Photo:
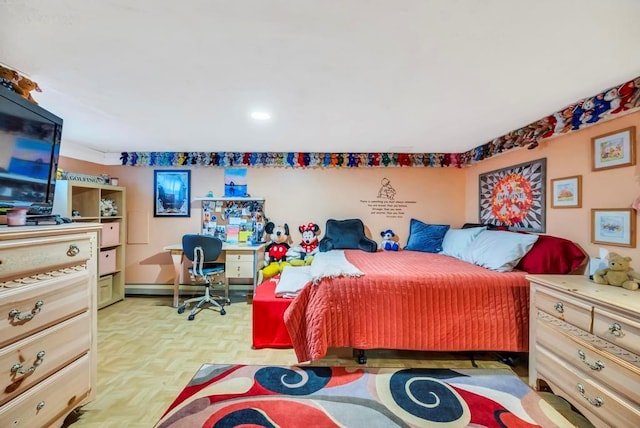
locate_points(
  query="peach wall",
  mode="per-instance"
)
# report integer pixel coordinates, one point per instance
(293, 196)
(437, 195)
(567, 156)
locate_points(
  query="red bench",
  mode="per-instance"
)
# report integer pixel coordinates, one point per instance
(269, 330)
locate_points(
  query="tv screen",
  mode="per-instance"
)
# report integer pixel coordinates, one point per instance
(29, 149)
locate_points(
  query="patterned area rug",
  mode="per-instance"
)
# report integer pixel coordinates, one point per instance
(308, 396)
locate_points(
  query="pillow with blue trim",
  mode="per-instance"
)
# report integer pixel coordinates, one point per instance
(426, 237)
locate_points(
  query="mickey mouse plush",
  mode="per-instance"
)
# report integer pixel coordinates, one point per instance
(275, 253)
(389, 241)
(304, 252)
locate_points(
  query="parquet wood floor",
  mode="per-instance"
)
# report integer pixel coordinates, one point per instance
(147, 353)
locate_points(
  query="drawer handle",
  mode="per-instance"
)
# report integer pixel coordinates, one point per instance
(598, 365)
(18, 368)
(598, 402)
(559, 307)
(73, 250)
(616, 329)
(17, 316)
(40, 406)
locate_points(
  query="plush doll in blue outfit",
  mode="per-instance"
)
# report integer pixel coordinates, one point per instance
(389, 241)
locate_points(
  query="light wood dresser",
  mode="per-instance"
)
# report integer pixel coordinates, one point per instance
(48, 359)
(585, 345)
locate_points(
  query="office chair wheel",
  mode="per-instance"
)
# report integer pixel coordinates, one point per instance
(228, 301)
(192, 317)
(181, 309)
(223, 312)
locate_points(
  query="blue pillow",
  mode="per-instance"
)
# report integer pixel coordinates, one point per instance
(426, 237)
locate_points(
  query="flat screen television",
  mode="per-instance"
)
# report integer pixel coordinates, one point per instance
(29, 149)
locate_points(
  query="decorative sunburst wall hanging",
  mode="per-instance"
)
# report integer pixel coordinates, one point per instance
(515, 196)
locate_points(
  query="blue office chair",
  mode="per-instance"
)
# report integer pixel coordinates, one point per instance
(203, 251)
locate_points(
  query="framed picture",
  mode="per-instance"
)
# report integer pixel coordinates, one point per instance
(515, 196)
(614, 150)
(173, 193)
(566, 192)
(614, 226)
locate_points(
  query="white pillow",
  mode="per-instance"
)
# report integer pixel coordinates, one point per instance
(456, 241)
(499, 250)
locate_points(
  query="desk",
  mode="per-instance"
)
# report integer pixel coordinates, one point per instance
(241, 261)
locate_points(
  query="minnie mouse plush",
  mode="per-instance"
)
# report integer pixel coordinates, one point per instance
(304, 252)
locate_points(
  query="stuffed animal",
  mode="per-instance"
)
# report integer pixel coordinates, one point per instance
(275, 253)
(618, 273)
(389, 241)
(20, 84)
(303, 253)
(8, 77)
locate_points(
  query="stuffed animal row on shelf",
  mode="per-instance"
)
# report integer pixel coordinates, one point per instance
(17, 83)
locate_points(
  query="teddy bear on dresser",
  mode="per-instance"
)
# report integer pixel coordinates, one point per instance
(618, 273)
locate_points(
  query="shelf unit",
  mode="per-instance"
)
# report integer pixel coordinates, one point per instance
(83, 199)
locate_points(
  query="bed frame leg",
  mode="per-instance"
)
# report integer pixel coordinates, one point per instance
(360, 356)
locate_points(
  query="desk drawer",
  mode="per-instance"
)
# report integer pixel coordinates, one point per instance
(239, 269)
(29, 256)
(613, 328)
(58, 345)
(61, 298)
(239, 256)
(46, 402)
(562, 307)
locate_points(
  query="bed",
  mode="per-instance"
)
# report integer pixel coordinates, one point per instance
(449, 290)
(411, 300)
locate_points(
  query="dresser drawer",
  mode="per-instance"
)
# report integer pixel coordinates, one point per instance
(41, 305)
(621, 376)
(57, 346)
(239, 256)
(613, 328)
(239, 270)
(565, 308)
(23, 258)
(613, 409)
(46, 402)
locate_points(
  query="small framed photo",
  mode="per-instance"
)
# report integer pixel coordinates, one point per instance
(614, 150)
(614, 226)
(172, 193)
(566, 192)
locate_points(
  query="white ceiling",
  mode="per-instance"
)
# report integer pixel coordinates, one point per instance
(337, 76)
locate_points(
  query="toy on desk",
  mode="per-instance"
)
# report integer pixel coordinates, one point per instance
(302, 254)
(389, 241)
(275, 253)
(618, 273)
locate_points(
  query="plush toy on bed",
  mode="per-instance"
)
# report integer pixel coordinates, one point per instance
(277, 250)
(618, 273)
(389, 241)
(302, 254)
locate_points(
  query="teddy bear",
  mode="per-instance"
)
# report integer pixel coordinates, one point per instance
(618, 273)
(303, 253)
(8, 77)
(24, 86)
(389, 241)
(277, 250)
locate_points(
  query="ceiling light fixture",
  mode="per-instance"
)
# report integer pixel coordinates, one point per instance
(260, 115)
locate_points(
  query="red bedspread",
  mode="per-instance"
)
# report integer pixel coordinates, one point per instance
(411, 300)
